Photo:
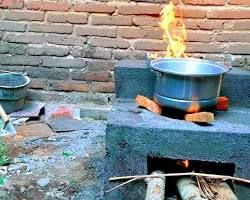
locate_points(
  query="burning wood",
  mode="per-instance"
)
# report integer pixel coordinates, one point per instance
(156, 187)
(204, 117)
(222, 103)
(148, 104)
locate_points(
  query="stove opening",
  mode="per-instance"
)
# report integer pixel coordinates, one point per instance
(168, 165)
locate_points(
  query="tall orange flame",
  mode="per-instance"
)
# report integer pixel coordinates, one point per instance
(174, 33)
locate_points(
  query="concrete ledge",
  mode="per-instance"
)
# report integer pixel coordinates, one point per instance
(131, 138)
(133, 77)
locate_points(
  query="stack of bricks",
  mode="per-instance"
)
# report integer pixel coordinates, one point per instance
(70, 48)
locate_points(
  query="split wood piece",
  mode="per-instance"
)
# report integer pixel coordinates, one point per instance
(148, 104)
(224, 192)
(156, 187)
(188, 189)
(207, 187)
(204, 117)
(222, 103)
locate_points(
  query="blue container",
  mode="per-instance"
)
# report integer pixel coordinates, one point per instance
(13, 89)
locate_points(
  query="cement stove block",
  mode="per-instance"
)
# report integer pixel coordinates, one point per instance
(131, 138)
(133, 77)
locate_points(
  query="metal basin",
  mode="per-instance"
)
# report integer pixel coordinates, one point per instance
(181, 83)
(13, 89)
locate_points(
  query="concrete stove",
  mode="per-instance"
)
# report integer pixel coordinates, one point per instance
(133, 134)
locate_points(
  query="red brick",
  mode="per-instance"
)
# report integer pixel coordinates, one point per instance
(227, 13)
(50, 28)
(47, 5)
(104, 19)
(145, 21)
(94, 65)
(104, 87)
(12, 4)
(222, 103)
(96, 31)
(24, 15)
(205, 2)
(109, 42)
(139, 9)
(239, 2)
(199, 36)
(200, 117)
(101, 76)
(73, 18)
(198, 47)
(150, 105)
(233, 36)
(130, 32)
(237, 25)
(37, 83)
(147, 44)
(238, 48)
(190, 12)
(135, 32)
(215, 57)
(94, 8)
(80, 86)
(203, 24)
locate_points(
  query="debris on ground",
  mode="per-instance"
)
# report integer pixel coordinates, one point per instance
(67, 124)
(52, 156)
(61, 111)
(30, 109)
(48, 165)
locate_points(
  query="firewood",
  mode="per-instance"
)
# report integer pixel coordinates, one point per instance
(224, 192)
(156, 187)
(207, 187)
(188, 189)
(205, 117)
(148, 104)
(222, 103)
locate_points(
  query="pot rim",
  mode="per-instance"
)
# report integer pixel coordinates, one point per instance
(154, 66)
(27, 79)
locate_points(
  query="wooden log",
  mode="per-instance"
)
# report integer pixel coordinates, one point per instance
(204, 117)
(188, 189)
(156, 187)
(148, 104)
(224, 192)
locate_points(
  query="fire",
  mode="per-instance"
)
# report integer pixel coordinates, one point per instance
(183, 163)
(195, 106)
(174, 33)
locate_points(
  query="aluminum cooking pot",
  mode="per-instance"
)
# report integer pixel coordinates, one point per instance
(184, 82)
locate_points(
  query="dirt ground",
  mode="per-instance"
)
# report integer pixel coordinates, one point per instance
(48, 166)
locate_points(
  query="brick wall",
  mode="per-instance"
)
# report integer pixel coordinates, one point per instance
(69, 49)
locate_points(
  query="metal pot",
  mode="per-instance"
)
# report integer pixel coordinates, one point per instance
(13, 89)
(183, 82)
